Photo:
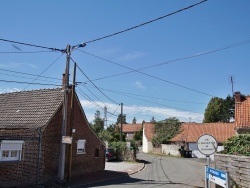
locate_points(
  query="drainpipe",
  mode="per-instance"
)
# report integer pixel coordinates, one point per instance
(39, 154)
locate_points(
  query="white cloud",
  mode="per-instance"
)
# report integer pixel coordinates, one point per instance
(139, 85)
(140, 112)
(131, 56)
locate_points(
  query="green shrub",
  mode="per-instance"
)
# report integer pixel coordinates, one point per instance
(238, 145)
(119, 148)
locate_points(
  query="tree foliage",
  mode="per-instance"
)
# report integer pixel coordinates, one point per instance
(123, 119)
(165, 130)
(98, 123)
(238, 145)
(138, 135)
(219, 110)
(134, 121)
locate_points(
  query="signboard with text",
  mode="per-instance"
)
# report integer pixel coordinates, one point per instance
(207, 144)
(217, 176)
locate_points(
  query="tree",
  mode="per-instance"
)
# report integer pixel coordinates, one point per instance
(98, 123)
(123, 119)
(165, 130)
(138, 135)
(134, 121)
(219, 110)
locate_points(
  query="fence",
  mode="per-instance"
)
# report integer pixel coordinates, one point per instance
(237, 166)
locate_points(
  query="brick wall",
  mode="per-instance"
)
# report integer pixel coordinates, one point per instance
(242, 112)
(25, 172)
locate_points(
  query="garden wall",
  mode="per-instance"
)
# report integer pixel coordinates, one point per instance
(237, 166)
(171, 149)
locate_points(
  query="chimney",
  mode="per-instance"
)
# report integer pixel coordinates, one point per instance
(237, 97)
(64, 81)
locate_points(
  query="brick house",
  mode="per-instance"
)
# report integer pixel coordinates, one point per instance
(147, 136)
(30, 138)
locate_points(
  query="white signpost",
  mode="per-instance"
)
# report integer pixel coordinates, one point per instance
(207, 144)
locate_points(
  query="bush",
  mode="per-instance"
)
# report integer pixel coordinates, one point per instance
(119, 148)
(238, 145)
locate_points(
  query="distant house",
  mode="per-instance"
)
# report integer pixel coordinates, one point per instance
(147, 136)
(130, 130)
(30, 138)
(192, 131)
(242, 113)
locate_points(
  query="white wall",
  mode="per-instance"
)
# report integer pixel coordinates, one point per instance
(147, 145)
(171, 149)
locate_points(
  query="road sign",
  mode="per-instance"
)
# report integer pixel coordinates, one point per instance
(207, 144)
(217, 176)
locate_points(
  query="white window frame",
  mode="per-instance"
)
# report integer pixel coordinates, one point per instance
(11, 150)
(80, 149)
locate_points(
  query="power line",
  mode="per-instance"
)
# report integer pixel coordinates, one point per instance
(33, 45)
(22, 77)
(119, 92)
(25, 52)
(82, 93)
(29, 74)
(145, 23)
(157, 78)
(171, 61)
(94, 84)
(33, 83)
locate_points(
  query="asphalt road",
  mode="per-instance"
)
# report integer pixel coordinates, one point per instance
(162, 171)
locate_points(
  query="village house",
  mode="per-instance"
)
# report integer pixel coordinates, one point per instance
(190, 132)
(147, 136)
(129, 130)
(31, 136)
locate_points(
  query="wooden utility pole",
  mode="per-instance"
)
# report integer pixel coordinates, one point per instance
(61, 167)
(71, 122)
(121, 121)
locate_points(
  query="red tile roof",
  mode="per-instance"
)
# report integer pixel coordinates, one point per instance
(192, 131)
(130, 128)
(242, 112)
(149, 130)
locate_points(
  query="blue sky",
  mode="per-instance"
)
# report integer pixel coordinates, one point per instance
(175, 77)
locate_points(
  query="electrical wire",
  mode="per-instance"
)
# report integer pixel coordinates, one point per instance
(29, 83)
(1, 52)
(88, 98)
(157, 78)
(158, 98)
(22, 77)
(145, 23)
(33, 45)
(29, 74)
(93, 83)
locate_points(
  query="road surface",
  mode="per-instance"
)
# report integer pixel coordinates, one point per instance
(162, 171)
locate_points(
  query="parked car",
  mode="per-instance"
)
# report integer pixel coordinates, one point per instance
(110, 154)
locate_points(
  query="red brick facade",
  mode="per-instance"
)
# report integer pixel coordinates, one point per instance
(242, 111)
(40, 164)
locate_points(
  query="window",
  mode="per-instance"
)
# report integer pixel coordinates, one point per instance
(96, 152)
(81, 146)
(11, 150)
